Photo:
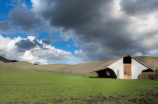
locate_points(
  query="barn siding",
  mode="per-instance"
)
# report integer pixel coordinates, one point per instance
(118, 65)
(137, 68)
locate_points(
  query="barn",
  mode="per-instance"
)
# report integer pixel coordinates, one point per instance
(125, 67)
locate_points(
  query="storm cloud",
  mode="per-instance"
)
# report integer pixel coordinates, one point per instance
(104, 29)
(7, 27)
(26, 20)
(46, 41)
(139, 7)
(24, 45)
(72, 13)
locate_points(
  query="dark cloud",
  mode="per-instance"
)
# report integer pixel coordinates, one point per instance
(37, 43)
(27, 21)
(99, 34)
(72, 13)
(92, 29)
(46, 41)
(137, 7)
(27, 44)
(24, 45)
(100, 27)
(7, 27)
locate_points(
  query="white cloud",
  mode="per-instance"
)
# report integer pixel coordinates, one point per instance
(4, 42)
(38, 5)
(40, 55)
(150, 42)
(82, 56)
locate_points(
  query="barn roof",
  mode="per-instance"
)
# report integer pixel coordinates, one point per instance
(105, 65)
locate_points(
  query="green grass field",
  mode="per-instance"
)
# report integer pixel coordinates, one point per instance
(39, 87)
(24, 83)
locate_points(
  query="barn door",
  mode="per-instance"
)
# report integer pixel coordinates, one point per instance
(118, 74)
(127, 71)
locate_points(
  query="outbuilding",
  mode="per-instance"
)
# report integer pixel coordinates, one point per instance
(125, 67)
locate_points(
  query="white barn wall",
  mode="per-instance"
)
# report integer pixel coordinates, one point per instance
(118, 65)
(137, 68)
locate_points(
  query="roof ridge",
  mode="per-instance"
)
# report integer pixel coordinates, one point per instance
(105, 65)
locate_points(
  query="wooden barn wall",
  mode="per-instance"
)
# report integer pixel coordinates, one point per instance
(137, 68)
(118, 65)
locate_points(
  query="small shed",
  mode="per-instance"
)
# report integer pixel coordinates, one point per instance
(125, 67)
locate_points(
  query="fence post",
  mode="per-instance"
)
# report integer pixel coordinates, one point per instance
(70, 73)
(62, 71)
(148, 76)
(156, 73)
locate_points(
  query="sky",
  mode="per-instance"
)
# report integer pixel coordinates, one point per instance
(77, 31)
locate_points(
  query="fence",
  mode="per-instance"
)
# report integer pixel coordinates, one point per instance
(70, 73)
(152, 77)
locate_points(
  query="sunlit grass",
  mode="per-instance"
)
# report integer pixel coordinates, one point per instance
(34, 86)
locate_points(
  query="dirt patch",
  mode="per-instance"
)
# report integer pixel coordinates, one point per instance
(155, 88)
(37, 103)
(147, 97)
(141, 101)
(60, 100)
(13, 102)
(101, 98)
(74, 98)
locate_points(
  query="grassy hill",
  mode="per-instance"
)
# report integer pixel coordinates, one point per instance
(23, 65)
(51, 67)
(152, 62)
(4, 60)
(83, 68)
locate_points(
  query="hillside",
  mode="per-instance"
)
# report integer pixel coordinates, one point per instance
(51, 67)
(152, 62)
(4, 60)
(23, 65)
(83, 68)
